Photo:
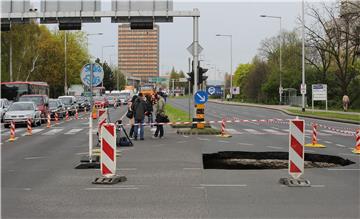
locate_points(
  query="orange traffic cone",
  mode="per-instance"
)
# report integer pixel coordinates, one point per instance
(94, 113)
(222, 130)
(76, 114)
(357, 145)
(56, 118)
(48, 121)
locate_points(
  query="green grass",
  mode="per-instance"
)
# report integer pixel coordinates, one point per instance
(175, 114)
(327, 114)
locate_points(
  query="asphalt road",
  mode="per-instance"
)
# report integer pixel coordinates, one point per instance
(166, 177)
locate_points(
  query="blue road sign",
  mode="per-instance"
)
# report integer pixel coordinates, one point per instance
(200, 97)
(214, 90)
(98, 74)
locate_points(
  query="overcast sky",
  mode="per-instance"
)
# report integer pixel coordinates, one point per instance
(238, 18)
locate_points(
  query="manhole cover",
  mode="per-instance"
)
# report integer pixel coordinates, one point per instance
(267, 160)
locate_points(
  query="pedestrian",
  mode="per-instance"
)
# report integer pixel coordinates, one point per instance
(131, 120)
(346, 102)
(149, 110)
(160, 114)
(228, 97)
(139, 116)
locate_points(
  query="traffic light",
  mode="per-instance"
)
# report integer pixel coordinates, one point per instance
(201, 77)
(191, 75)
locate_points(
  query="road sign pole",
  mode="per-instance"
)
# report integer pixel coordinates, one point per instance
(90, 116)
(195, 56)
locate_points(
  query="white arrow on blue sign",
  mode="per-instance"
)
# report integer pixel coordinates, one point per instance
(98, 75)
(200, 97)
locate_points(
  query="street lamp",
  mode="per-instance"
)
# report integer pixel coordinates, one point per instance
(102, 57)
(280, 58)
(231, 72)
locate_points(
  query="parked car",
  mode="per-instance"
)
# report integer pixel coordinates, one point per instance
(124, 97)
(113, 100)
(82, 103)
(69, 103)
(56, 106)
(4, 105)
(19, 112)
(41, 101)
(101, 101)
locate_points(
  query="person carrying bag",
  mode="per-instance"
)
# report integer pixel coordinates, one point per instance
(160, 116)
(130, 115)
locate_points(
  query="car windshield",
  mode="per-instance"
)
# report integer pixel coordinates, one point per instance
(124, 95)
(21, 106)
(53, 104)
(66, 100)
(36, 99)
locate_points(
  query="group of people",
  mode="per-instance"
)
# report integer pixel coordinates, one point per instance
(141, 107)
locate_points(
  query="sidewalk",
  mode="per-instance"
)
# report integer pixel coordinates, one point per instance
(286, 108)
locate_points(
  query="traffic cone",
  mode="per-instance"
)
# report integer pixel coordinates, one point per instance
(29, 128)
(12, 131)
(76, 114)
(357, 145)
(222, 130)
(56, 118)
(94, 113)
(314, 143)
(48, 121)
(67, 116)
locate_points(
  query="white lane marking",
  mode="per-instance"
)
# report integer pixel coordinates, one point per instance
(52, 132)
(185, 136)
(73, 131)
(254, 132)
(275, 132)
(220, 141)
(344, 169)
(223, 185)
(82, 153)
(317, 186)
(233, 132)
(340, 145)
(181, 142)
(312, 151)
(203, 139)
(192, 168)
(245, 144)
(351, 148)
(33, 158)
(274, 147)
(328, 142)
(34, 131)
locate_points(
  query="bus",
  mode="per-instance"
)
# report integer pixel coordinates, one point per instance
(13, 90)
(147, 89)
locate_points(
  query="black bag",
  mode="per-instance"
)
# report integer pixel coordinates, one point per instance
(123, 142)
(162, 118)
(130, 114)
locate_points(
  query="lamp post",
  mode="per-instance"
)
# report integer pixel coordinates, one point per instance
(280, 58)
(102, 58)
(303, 85)
(65, 70)
(231, 71)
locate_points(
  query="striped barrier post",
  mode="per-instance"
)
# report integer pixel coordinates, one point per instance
(223, 134)
(314, 143)
(357, 142)
(29, 128)
(108, 156)
(56, 118)
(115, 105)
(12, 131)
(67, 115)
(76, 114)
(48, 121)
(101, 120)
(296, 155)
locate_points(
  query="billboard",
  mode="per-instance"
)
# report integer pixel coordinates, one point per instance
(319, 92)
(141, 6)
(214, 90)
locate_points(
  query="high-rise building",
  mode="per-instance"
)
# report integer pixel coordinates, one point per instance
(138, 52)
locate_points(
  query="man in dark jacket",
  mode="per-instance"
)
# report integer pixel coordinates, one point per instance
(139, 115)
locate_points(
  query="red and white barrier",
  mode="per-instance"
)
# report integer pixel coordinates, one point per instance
(296, 147)
(314, 143)
(29, 128)
(67, 116)
(101, 120)
(12, 131)
(76, 114)
(357, 144)
(48, 121)
(222, 127)
(108, 150)
(56, 118)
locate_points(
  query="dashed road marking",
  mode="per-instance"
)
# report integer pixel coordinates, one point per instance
(274, 147)
(34, 131)
(32, 158)
(328, 142)
(247, 144)
(221, 141)
(73, 131)
(275, 132)
(340, 145)
(52, 132)
(253, 131)
(181, 142)
(203, 139)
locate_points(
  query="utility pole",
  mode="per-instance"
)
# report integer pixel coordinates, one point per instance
(65, 75)
(173, 83)
(195, 55)
(10, 58)
(303, 57)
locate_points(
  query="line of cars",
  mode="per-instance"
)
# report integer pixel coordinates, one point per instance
(37, 107)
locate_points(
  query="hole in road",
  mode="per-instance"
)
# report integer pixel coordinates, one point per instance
(241, 160)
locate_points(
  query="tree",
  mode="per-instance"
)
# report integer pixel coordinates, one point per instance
(241, 74)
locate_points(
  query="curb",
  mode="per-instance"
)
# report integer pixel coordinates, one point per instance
(286, 112)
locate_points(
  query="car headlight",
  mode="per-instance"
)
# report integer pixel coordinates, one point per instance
(68, 108)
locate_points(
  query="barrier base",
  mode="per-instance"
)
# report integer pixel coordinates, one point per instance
(86, 159)
(88, 165)
(356, 151)
(295, 182)
(224, 136)
(109, 180)
(315, 145)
